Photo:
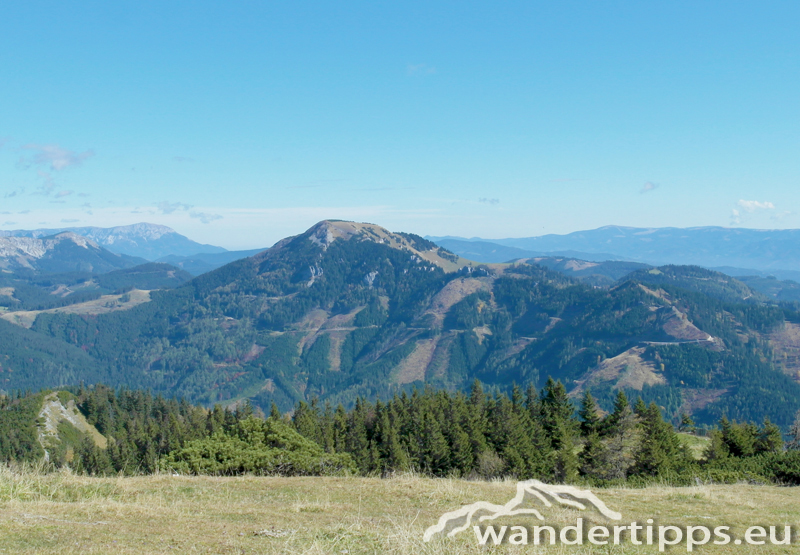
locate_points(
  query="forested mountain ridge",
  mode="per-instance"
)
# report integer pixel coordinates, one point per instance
(347, 310)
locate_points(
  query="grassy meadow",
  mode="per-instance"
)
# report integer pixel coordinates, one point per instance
(68, 514)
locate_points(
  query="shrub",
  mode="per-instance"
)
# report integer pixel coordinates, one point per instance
(260, 447)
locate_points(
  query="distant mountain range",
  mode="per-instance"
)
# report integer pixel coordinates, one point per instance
(484, 251)
(770, 251)
(205, 262)
(63, 252)
(348, 310)
(147, 241)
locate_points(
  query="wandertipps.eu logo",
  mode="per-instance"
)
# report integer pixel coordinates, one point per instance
(531, 496)
(536, 499)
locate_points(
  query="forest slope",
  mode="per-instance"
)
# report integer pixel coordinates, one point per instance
(347, 310)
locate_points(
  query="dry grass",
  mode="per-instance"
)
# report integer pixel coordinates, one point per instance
(63, 513)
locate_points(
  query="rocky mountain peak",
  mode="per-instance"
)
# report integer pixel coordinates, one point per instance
(324, 233)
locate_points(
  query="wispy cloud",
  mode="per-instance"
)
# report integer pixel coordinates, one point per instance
(48, 183)
(9, 223)
(63, 194)
(492, 201)
(743, 208)
(379, 189)
(53, 156)
(778, 216)
(15, 192)
(420, 69)
(69, 221)
(169, 207)
(182, 159)
(205, 217)
(754, 205)
(648, 186)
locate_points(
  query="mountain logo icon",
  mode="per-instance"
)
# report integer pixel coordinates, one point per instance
(531, 496)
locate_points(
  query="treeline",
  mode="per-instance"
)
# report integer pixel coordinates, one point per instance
(529, 434)
(539, 434)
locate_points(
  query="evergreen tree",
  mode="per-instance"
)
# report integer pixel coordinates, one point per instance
(561, 429)
(274, 413)
(590, 418)
(716, 449)
(794, 434)
(660, 448)
(770, 439)
(687, 424)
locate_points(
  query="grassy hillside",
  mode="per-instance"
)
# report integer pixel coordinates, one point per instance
(66, 514)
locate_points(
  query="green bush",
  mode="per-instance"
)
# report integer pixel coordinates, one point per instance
(260, 447)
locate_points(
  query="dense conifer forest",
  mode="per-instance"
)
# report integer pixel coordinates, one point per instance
(476, 434)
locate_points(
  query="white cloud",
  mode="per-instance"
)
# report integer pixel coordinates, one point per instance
(485, 200)
(53, 156)
(169, 207)
(753, 205)
(205, 217)
(778, 216)
(736, 217)
(63, 194)
(648, 186)
(48, 184)
(420, 69)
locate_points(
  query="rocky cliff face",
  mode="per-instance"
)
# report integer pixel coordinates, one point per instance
(148, 241)
(64, 252)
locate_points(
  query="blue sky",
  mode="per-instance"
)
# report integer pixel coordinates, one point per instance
(239, 123)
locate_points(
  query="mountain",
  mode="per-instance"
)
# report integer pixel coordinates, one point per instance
(63, 252)
(598, 274)
(143, 240)
(483, 251)
(786, 290)
(205, 262)
(348, 310)
(763, 250)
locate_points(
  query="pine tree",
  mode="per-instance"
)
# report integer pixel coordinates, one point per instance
(590, 419)
(274, 413)
(435, 451)
(770, 439)
(621, 411)
(640, 408)
(660, 448)
(356, 438)
(687, 424)
(717, 448)
(794, 434)
(561, 429)
(393, 454)
(593, 458)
